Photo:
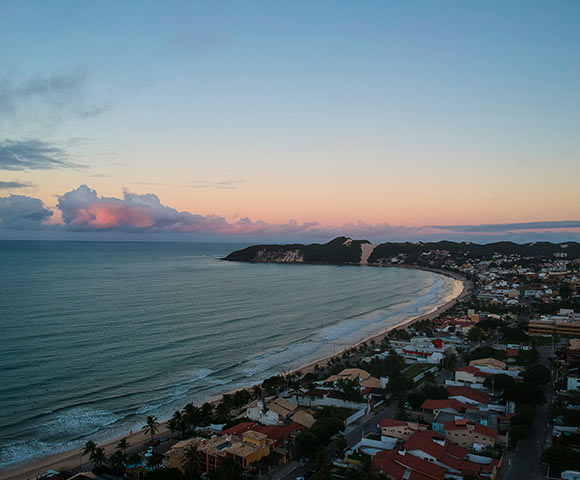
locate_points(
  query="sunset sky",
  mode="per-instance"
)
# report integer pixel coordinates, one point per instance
(290, 120)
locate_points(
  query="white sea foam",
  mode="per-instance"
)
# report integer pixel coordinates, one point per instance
(29, 450)
(78, 421)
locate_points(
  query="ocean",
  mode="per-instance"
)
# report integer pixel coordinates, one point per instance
(95, 336)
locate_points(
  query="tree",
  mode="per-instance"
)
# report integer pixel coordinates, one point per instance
(134, 459)
(528, 357)
(98, 457)
(172, 425)
(257, 391)
(228, 469)
(526, 416)
(398, 386)
(123, 445)
(151, 426)
(519, 432)
(349, 389)
(499, 382)
(191, 462)
(402, 414)
(538, 374)
(450, 363)
(560, 457)
(475, 334)
(307, 441)
(117, 461)
(341, 443)
(206, 414)
(486, 352)
(190, 418)
(89, 449)
(431, 391)
(164, 474)
(525, 393)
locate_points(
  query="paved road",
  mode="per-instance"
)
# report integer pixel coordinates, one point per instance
(524, 462)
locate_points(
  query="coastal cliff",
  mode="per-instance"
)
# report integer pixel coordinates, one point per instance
(346, 251)
(341, 250)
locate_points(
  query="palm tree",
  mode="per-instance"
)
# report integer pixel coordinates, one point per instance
(151, 426)
(89, 448)
(134, 459)
(294, 389)
(117, 461)
(98, 457)
(123, 445)
(206, 414)
(172, 425)
(257, 391)
(229, 469)
(191, 462)
(189, 419)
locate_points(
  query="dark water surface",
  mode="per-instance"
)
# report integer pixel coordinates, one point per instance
(96, 336)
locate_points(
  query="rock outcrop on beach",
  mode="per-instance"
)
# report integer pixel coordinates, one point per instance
(346, 251)
(341, 250)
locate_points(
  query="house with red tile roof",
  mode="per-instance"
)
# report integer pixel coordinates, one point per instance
(468, 395)
(280, 434)
(471, 434)
(240, 428)
(470, 374)
(433, 447)
(400, 428)
(449, 405)
(395, 466)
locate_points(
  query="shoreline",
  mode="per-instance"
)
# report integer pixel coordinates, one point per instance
(71, 459)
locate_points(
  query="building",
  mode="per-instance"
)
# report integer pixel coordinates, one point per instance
(271, 411)
(400, 429)
(434, 448)
(396, 466)
(449, 405)
(470, 434)
(573, 383)
(488, 362)
(467, 395)
(245, 449)
(566, 323)
(470, 374)
(364, 378)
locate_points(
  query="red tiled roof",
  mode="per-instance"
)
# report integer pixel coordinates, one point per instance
(471, 393)
(454, 426)
(424, 441)
(487, 431)
(391, 422)
(455, 450)
(468, 369)
(415, 352)
(430, 404)
(383, 462)
(280, 432)
(240, 428)
(511, 352)
(465, 467)
(397, 466)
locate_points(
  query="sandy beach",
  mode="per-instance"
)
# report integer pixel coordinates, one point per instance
(71, 460)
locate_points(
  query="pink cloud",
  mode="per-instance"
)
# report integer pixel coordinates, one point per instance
(83, 210)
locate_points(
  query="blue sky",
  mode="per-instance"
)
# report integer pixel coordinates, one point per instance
(406, 113)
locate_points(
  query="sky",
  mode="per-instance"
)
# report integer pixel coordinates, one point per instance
(302, 120)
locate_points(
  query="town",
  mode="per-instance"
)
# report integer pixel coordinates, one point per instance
(488, 389)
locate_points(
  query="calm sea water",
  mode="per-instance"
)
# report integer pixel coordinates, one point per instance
(96, 336)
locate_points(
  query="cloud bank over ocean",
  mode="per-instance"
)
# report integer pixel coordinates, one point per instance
(83, 214)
